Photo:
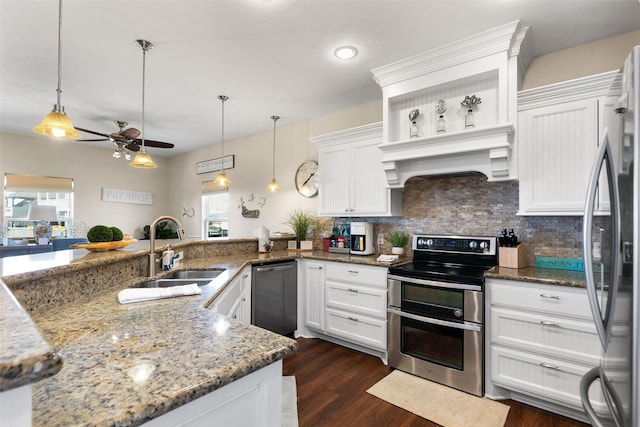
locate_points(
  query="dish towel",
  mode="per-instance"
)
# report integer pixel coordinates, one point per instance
(126, 296)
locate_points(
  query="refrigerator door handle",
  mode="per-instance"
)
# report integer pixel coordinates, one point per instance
(604, 158)
(613, 403)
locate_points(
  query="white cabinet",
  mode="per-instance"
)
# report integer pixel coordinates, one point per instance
(352, 181)
(313, 299)
(541, 341)
(235, 299)
(559, 128)
(345, 303)
(356, 301)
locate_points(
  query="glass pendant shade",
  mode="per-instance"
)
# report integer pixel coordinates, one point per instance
(142, 160)
(222, 179)
(58, 125)
(273, 185)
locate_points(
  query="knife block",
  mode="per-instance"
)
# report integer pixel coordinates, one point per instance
(512, 257)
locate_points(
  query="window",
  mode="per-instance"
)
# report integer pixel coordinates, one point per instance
(23, 191)
(215, 210)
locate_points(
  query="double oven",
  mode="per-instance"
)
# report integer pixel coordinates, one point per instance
(436, 310)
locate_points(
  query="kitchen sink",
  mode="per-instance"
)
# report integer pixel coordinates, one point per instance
(166, 283)
(195, 274)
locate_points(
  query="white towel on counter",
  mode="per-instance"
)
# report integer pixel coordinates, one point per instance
(126, 296)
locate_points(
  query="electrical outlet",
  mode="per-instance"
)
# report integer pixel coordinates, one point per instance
(381, 238)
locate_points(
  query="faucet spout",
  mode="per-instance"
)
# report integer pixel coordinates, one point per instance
(152, 239)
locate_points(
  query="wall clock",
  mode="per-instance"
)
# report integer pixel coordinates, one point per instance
(307, 179)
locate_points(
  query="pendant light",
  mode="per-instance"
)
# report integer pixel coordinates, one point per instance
(142, 159)
(222, 179)
(56, 123)
(273, 185)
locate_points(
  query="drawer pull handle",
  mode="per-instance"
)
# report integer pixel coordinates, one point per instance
(353, 318)
(353, 271)
(547, 323)
(549, 296)
(353, 290)
(549, 366)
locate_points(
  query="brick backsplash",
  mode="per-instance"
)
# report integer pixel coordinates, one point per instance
(470, 205)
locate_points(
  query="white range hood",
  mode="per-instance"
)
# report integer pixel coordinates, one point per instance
(489, 65)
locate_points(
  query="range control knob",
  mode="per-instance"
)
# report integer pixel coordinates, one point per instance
(429, 242)
(484, 245)
(473, 244)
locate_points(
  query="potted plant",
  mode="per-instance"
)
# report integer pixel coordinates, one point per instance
(398, 241)
(302, 223)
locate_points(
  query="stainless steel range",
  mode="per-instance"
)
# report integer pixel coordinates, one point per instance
(436, 310)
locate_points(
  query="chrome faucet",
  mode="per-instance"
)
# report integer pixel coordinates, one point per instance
(152, 240)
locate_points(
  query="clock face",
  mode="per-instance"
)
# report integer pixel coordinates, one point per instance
(307, 179)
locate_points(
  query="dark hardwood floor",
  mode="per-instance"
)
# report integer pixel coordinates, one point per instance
(332, 383)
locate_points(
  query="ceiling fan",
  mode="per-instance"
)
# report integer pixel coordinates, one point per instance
(126, 138)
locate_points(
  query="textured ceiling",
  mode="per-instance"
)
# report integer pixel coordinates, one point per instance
(269, 57)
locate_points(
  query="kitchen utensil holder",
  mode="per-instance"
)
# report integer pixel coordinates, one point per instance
(514, 257)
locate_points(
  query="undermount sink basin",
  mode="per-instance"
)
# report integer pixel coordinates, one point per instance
(166, 283)
(195, 274)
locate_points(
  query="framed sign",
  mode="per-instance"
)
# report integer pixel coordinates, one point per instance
(127, 196)
(212, 165)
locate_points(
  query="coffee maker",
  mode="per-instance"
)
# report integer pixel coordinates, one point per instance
(361, 238)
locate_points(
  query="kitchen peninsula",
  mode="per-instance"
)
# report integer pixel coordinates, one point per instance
(128, 364)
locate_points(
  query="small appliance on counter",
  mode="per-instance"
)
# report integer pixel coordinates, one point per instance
(361, 238)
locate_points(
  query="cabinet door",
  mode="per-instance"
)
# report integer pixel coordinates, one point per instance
(357, 329)
(369, 194)
(334, 187)
(229, 297)
(314, 310)
(558, 144)
(244, 302)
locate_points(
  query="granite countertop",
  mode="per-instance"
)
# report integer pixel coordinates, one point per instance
(548, 276)
(126, 364)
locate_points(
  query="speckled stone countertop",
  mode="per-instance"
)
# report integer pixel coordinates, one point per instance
(126, 364)
(547, 276)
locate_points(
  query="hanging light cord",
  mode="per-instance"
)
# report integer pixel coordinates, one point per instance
(58, 108)
(144, 63)
(222, 98)
(273, 162)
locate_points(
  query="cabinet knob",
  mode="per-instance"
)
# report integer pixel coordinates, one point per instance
(549, 366)
(352, 318)
(353, 271)
(353, 290)
(547, 323)
(549, 296)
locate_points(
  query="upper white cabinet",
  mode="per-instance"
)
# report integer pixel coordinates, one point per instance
(352, 182)
(489, 65)
(559, 128)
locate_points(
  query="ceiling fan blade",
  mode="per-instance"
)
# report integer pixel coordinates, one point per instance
(132, 146)
(152, 143)
(92, 140)
(92, 132)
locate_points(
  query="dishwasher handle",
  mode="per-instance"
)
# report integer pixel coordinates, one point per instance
(274, 268)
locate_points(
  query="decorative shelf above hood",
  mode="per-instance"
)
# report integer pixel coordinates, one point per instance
(489, 65)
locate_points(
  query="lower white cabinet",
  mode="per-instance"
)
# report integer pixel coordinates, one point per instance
(541, 341)
(346, 303)
(235, 299)
(254, 400)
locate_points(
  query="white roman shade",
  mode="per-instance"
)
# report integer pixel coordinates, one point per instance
(213, 187)
(16, 182)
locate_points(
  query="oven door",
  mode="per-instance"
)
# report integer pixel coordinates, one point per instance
(450, 353)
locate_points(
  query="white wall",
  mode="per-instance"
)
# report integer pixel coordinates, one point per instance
(252, 171)
(91, 169)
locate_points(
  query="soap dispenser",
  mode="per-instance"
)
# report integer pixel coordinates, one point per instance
(167, 258)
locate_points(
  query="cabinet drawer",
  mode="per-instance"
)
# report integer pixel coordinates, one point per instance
(543, 377)
(558, 300)
(358, 329)
(355, 273)
(550, 335)
(357, 299)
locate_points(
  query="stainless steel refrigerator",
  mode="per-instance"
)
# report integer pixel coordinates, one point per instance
(611, 253)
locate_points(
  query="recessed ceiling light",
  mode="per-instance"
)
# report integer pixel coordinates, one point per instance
(345, 52)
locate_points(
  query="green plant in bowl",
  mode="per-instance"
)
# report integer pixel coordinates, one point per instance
(398, 239)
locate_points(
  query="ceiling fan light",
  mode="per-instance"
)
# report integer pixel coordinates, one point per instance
(273, 185)
(58, 125)
(127, 156)
(222, 179)
(116, 154)
(142, 160)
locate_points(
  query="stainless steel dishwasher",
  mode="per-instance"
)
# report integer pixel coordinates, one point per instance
(274, 296)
